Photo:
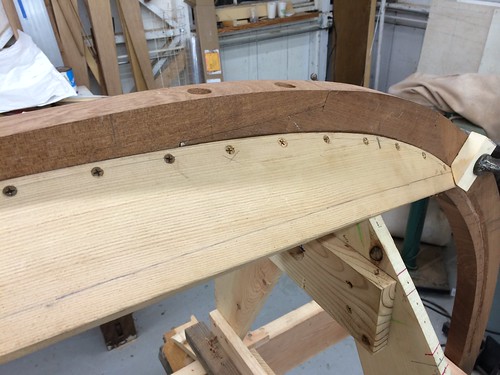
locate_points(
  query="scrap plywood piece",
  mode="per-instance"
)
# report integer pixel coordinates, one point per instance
(349, 287)
(104, 38)
(240, 294)
(491, 53)
(423, 353)
(209, 351)
(170, 352)
(242, 357)
(270, 198)
(455, 37)
(353, 35)
(135, 39)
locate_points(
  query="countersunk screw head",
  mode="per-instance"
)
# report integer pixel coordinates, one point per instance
(282, 142)
(169, 158)
(9, 191)
(97, 172)
(230, 149)
(326, 139)
(376, 253)
(365, 141)
(398, 147)
(424, 155)
(314, 77)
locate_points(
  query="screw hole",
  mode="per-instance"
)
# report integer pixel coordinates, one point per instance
(285, 85)
(349, 283)
(169, 158)
(230, 149)
(326, 139)
(366, 141)
(199, 91)
(282, 142)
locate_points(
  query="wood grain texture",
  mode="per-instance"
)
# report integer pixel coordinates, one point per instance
(346, 285)
(70, 36)
(209, 351)
(261, 199)
(241, 356)
(104, 38)
(155, 120)
(241, 294)
(11, 13)
(474, 217)
(353, 36)
(413, 347)
(133, 28)
(295, 337)
(176, 357)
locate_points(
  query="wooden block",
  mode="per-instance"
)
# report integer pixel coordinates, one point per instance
(240, 294)
(176, 357)
(11, 13)
(241, 356)
(209, 351)
(349, 287)
(463, 165)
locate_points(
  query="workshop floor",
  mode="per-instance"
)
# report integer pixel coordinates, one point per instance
(87, 354)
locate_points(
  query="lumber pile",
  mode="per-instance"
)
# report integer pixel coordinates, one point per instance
(94, 54)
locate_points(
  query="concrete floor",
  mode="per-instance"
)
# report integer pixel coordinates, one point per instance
(87, 354)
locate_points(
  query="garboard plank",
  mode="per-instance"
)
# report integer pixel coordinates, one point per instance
(209, 351)
(260, 195)
(104, 38)
(422, 354)
(241, 294)
(348, 286)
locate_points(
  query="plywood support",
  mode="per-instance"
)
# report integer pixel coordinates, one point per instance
(240, 294)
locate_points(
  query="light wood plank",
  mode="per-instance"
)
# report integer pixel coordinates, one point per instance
(282, 342)
(422, 354)
(133, 28)
(72, 48)
(260, 197)
(241, 294)
(104, 37)
(349, 287)
(177, 358)
(11, 13)
(241, 356)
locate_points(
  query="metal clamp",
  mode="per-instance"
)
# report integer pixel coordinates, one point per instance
(485, 164)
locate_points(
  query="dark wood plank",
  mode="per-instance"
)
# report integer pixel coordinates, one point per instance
(270, 22)
(353, 35)
(474, 218)
(209, 351)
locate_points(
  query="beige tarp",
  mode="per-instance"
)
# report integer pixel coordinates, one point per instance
(475, 97)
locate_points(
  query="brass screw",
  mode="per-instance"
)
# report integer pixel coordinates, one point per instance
(282, 142)
(97, 172)
(376, 253)
(230, 149)
(326, 139)
(365, 141)
(169, 158)
(424, 155)
(398, 147)
(9, 191)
